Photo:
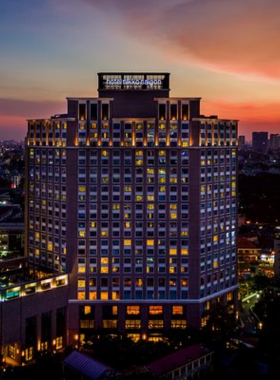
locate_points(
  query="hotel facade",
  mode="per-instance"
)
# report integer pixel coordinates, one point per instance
(133, 195)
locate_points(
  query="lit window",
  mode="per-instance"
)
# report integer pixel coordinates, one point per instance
(155, 310)
(177, 310)
(229, 297)
(127, 242)
(133, 310)
(81, 269)
(81, 295)
(115, 296)
(81, 283)
(92, 295)
(133, 324)
(104, 296)
(87, 310)
(139, 282)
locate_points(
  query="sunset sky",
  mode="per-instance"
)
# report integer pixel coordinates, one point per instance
(225, 51)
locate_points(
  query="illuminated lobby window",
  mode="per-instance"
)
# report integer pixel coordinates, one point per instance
(133, 310)
(178, 324)
(155, 310)
(133, 324)
(155, 324)
(177, 310)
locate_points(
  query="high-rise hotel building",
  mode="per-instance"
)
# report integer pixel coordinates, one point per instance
(133, 193)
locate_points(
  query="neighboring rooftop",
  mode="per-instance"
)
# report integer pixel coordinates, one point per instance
(88, 367)
(177, 359)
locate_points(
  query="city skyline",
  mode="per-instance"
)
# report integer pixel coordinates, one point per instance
(224, 53)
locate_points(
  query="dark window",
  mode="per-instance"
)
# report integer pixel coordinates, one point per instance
(162, 111)
(46, 327)
(82, 112)
(93, 111)
(185, 111)
(105, 111)
(30, 332)
(61, 322)
(173, 112)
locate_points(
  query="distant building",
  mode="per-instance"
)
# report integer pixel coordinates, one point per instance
(11, 238)
(33, 312)
(241, 142)
(260, 141)
(248, 254)
(274, 141)
(81, 366)
(277, 251)
(193, 362)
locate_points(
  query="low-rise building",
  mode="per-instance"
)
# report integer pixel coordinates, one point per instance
(29, 323)
(191, 362)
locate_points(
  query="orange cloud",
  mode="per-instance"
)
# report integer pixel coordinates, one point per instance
(15, 112)
(12, 127)
(257, 111)
(237, 36)
(30, 108)
(258, 116)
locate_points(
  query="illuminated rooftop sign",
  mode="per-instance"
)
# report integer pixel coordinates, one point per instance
(133, 81)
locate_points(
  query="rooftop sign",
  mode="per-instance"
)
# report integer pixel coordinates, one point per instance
(133, 81)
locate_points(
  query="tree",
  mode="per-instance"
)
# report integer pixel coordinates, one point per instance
(222, 321)
(260, 282)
